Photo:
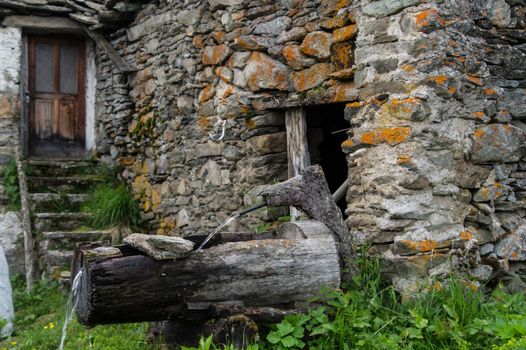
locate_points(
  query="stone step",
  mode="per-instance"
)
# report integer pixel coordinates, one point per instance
(59, 221)
(69, 240)
(71, 184)
(57, 167)
(56, 202)
(57, 259)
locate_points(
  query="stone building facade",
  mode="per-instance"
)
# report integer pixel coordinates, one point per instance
(431, 96)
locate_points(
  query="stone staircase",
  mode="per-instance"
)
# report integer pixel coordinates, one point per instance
(57, 189)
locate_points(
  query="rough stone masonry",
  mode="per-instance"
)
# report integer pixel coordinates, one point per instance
(435, 96)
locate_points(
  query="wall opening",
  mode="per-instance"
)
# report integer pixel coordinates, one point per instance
(327, 128)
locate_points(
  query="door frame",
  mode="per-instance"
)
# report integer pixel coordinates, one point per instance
(79, 122)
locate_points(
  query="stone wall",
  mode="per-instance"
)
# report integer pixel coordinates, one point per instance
(202, 65)
(437, 149)
(10, 54)
(10, 45)
(435, 94)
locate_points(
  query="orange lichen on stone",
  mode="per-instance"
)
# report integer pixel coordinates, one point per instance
(466, 235)
(427, 17)
(452, 89)
(344, 92)
(342, 56)
(347, 144)
(405, 105)
(404, 160)
(452, 43)
(439, 79)
(166, 226)
(479, 133)
(391, 136)
(479, 114)
(345, 33)
(228, 91)
(207, 93)
(219, 36)
(421, 246)
(357, 104)
(475, 80)
(263, 72)
(337, 21)
(156, 198)
(250, 124)
(310, 77)
(408, 67)
(203, 122)
(215, 54)
(198, 42)
(126, 161)
(490, 91)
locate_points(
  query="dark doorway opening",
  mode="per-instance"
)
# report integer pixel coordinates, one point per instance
(327, 128)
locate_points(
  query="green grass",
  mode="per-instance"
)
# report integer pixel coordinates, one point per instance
(39, 318)
(367, 315)
(448, 315)
(112, 206)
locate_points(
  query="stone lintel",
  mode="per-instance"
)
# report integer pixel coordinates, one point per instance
(44, 25)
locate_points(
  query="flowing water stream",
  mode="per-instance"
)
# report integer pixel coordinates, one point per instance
(228, 221)
(72, 304)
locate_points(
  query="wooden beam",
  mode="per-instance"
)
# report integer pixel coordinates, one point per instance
(105, 45)
(263, 273)
(29, 242)
(297, 146)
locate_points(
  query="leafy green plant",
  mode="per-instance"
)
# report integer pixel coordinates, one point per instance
(207, 344)
(112, 206)
(10, 183)
(39, 316)
(289, 333)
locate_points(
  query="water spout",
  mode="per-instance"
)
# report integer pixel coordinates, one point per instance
(72, 304)
(228, 221)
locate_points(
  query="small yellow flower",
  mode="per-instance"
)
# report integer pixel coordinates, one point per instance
(4, 348)
(46, 327)
(13, 343)
(51, 325)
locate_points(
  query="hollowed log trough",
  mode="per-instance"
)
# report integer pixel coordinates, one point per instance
(238, 279)
(262, 276)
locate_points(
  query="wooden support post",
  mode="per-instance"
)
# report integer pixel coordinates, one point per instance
(309, 191)
(297, 145)
(29, 243)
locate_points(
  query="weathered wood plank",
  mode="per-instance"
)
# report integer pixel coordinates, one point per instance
(260, 273)
(105, 45)
(297, 146)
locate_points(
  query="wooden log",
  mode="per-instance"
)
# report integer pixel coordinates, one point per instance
(135, 288)
(309, 191)
(29, 243)
(297, 146)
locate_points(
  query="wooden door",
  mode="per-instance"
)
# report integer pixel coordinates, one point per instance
(56, 95)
